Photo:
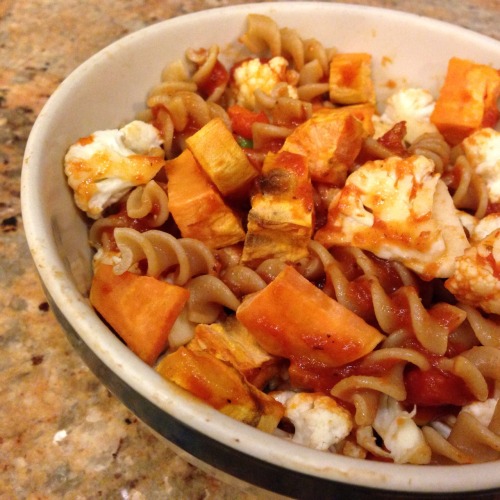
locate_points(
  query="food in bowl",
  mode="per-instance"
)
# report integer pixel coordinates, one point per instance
(107, 92)
(302, 257)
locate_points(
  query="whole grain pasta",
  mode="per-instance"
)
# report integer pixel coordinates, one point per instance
(163, 253)
(149, 201)
(208, 296)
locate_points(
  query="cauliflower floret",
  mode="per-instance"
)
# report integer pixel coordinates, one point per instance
(475, 280)
(401, 435)
(253, 75)
(414, 106)
(482, 149)
(319, 421)
(485, 227)
(103, 167)
(398, 209)
(482, 410)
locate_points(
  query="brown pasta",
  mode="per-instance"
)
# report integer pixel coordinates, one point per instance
(262, 34)
(473, 438)
(180, 258)
(469, 192)
(390, 383)
(149, 201)
(208, 296)
(242, 280)
(175, 111)
(433, 146)
(485, 329)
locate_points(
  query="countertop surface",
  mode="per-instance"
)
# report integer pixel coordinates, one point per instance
(62, 434)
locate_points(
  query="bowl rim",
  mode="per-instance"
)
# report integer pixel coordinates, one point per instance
(114, 356)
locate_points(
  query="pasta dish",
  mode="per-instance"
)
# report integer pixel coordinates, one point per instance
(302, 257)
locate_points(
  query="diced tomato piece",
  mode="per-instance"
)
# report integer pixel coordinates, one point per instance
(242, 120)
(434, 387)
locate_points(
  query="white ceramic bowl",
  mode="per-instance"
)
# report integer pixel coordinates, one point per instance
(108, 90)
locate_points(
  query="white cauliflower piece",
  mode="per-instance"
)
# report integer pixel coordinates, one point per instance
(475, 280)
(108, 257)
(414, 106)
(482, 410)
(319, 421)
(482, 149)
(485, 227)
(399, 209)
(401, 435)
(252, 75)
(103, 167)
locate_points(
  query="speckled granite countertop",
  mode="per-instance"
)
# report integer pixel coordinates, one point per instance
(62, 435)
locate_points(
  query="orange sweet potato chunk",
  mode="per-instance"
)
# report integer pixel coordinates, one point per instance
(330, 140)
(197, 207)
(140, 309)
(350, 79)
(221, 386)
(467, 100)
(293, 319)
(280, 223)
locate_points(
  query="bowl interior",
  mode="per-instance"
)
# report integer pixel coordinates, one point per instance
(110, 88)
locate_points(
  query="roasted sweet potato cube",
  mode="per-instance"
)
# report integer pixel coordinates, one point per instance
(221, 386)
(140, 309)
(221, 157)
(363, 112)
(350, 79)
(467, 100)
(231, 342)
(330, 140)
(197, 207)
(293, 319)
(280, 222)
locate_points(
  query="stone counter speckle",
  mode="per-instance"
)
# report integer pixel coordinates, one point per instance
(62, 434)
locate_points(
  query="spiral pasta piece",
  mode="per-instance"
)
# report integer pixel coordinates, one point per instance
(434, 147)
(262, 34)
(183, 258)
(486, 330)
(206, 61)
(242, 280)
(474, 439)
(101, 230)
(461, 367)
(208, 296)
(470, 192)
(486, 359)
(390, 383)
(441, 447)
(149, 201)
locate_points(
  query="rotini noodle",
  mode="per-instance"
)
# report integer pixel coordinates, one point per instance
(262, 34)
(206, 61)
(182, 258)
(475, 439)
(242, 280)
(149, 201)
(434, 147)
(208, 296)
(470, 191)
(486, 330)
